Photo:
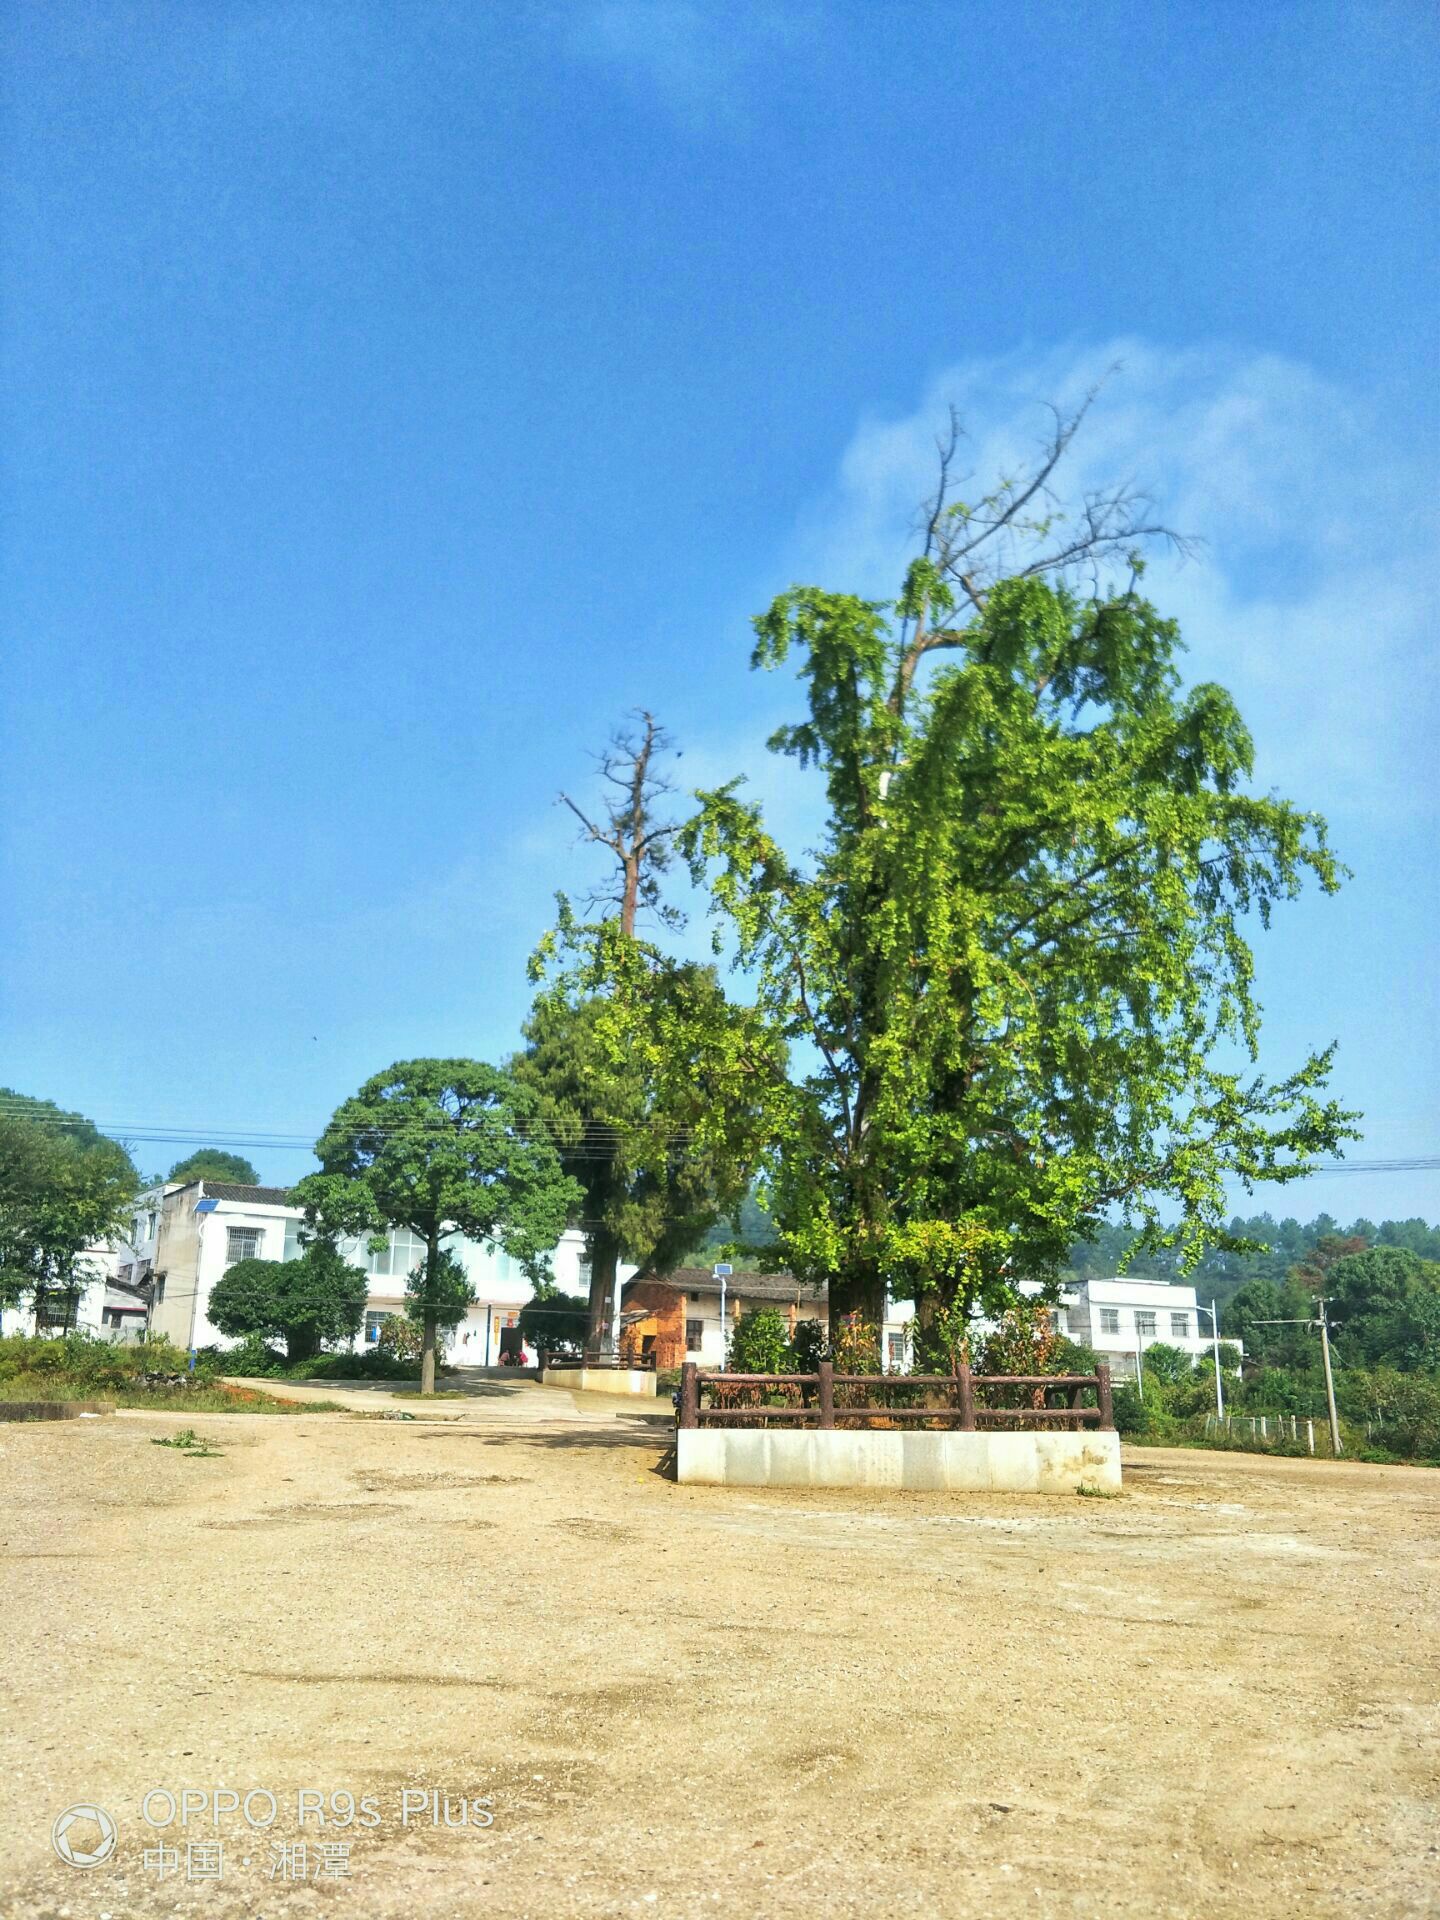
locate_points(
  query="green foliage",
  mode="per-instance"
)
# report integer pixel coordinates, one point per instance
(1386, 1304)
(441, 1146)
(1167, 1364)
(307, 1302)
(1001, 999)
(439, 1294)
(1251, 1317)
(1272, 1250)
(1022, 1341)
(555, 1323)
(400, 1339)
(191, 1444)
(760, 1343)
(855, 1346)
(215, 1163)
(632, 1085)
(63, 1186)
(810, 1346)
(151, 1374)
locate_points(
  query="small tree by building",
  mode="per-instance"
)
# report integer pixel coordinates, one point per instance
(760, 1343)
(308, 1303)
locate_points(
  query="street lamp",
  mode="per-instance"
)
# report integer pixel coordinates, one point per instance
(1215, 1331)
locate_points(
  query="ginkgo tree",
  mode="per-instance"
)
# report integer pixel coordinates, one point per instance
(1011, 992)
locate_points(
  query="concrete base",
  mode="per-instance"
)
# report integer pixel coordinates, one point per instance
(601, 1379)
(938, 1462)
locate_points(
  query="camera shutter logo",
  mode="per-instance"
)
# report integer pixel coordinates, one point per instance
(73, 1836)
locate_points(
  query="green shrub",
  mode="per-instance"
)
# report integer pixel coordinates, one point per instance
(760, 1343)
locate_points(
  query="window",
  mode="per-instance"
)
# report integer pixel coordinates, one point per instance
(293, 1248)
(694, 1332)
(1109, 1319)
(1144, 1324)
(401, 1254)
(373, 1324)
(159, 1293)
(1059, 1323)
(895, 1342)
(242, 1243)
(1180, 1326)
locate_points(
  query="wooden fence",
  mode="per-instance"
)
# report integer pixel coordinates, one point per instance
(956, 1401)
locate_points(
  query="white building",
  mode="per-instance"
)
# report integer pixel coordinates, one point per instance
(184, 1237)
(1119, 1318)
(1116, 1318)
(84, 1309)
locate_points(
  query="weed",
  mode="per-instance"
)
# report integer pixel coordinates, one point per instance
(193, 1445)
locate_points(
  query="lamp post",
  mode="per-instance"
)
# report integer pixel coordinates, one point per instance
(1215, 1331)
(722, 1271)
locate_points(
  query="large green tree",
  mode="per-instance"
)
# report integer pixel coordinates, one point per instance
(215, 1163)
(442, 1147)
(1012, 985)
(1386, 1305)
(643, 1122)
(63, 1186)
(307, 1302)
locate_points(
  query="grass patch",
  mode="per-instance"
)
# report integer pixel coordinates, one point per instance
(213, 1398)
(193, 1445)
(1087, 1492)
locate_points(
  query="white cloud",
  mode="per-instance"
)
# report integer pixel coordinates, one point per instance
(1309, 596)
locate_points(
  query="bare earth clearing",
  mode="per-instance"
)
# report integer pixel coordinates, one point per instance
(1215, 1696)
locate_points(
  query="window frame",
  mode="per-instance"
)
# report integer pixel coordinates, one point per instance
(1109, 1319)
(232, 1233)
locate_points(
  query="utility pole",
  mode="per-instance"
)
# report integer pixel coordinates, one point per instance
(1325, 1356)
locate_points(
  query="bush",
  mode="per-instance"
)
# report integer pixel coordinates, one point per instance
(810, 1346)
(760, 1343)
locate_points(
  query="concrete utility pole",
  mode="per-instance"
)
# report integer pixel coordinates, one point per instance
(1325, 1356)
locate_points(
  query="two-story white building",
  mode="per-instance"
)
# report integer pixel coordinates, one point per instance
(1118, 1318)
(185, 1236)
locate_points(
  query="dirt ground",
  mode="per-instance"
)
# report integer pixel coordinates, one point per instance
(1213, 1696)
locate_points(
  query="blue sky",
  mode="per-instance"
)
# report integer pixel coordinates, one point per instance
(394, 396)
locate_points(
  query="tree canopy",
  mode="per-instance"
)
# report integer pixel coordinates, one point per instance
(442, 1147)
(1385, 1303)
(63, 1186)
(643, 1121)
(308, 1302)
(1010, 992)
(215, 1163)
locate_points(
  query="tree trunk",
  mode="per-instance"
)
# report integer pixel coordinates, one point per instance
(604, 1264)
(301, 1343)
(858, 1290)
(427, 1348)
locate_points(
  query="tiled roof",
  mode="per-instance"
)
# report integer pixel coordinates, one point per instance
(749, 1286)
(252, 1196)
